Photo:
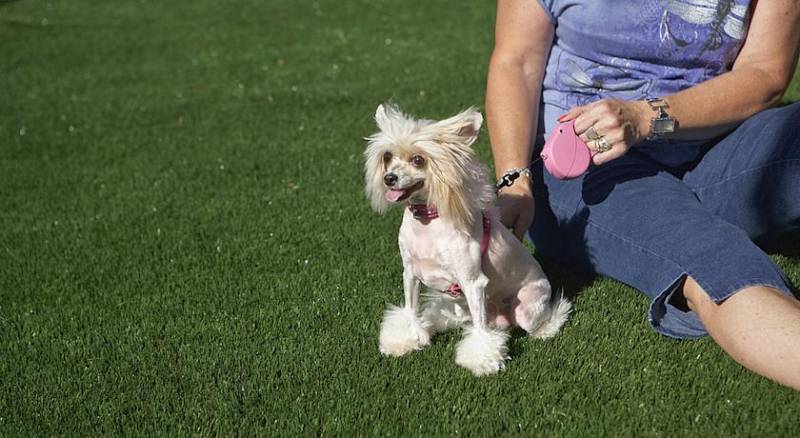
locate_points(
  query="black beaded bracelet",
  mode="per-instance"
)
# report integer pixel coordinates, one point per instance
(510, 176)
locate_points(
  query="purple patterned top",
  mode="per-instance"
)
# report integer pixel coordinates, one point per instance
(632, 49)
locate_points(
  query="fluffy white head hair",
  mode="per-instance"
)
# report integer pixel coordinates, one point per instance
(456, 182)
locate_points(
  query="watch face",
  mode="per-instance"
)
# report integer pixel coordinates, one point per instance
(663, 126)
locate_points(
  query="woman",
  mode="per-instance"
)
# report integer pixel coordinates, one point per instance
(680, 186)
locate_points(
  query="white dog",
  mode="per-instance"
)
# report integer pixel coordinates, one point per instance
(478, 271)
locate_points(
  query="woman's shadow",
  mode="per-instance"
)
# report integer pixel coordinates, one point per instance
(786, 244)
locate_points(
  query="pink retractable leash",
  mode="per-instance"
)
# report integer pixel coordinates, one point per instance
(564, 154)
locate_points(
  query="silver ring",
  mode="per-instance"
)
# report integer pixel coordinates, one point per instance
(591, 134)
(602, 145)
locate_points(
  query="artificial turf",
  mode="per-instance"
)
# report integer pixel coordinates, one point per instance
(185, 247)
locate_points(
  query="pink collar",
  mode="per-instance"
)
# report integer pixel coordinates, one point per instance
(425, 212)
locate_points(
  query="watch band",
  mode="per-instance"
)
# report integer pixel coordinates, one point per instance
(662, 124)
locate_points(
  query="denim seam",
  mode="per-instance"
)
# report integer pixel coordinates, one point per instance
(788, 161)
(632, 243)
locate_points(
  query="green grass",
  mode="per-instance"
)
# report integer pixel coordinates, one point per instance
(185, 246)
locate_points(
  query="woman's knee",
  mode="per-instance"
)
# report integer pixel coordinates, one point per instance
(697, 299)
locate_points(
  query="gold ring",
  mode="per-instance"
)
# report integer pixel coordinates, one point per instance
(592, 134)
(602, 145)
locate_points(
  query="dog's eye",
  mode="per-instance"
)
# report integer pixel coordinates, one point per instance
(387, 156)
(418, 160)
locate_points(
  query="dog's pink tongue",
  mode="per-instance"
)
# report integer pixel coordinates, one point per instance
(394, 195)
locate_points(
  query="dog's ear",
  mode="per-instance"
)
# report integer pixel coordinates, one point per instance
(384, 114)
(380, 115)
(462, 128)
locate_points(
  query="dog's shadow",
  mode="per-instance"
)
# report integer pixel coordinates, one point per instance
(565, 280)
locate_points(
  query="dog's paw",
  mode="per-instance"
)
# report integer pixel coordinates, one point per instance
(402, 331)
(482, 351)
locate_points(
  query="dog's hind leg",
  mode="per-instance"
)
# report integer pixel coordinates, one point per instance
(537, 314)
(557, 316)
(531, 305)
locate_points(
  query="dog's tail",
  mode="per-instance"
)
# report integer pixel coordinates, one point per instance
(560, 308)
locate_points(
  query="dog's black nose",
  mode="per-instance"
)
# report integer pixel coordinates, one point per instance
(389, 179)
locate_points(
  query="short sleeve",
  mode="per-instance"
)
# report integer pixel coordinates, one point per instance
(547, 5)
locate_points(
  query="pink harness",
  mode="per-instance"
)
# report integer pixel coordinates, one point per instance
(425, 212)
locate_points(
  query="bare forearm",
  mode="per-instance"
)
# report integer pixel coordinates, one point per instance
(714, 107)
(512, 106)
(523, 39)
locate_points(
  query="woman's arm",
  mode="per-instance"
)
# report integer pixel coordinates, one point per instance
(759, 77)
(523, 38)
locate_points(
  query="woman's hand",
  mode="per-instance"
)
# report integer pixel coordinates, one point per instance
(516, 205)
(621, 123)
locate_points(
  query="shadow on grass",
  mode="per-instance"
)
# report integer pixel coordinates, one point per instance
(564, 279)
(787, 245)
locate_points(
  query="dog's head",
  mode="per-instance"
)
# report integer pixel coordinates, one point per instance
(425, 161)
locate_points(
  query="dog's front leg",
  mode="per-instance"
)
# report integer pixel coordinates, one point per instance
(483, 349)
(402, 329)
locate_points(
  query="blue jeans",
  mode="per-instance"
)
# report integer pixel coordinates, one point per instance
(670, 209)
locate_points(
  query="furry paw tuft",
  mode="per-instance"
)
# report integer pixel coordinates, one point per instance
(402, 331)
(558, 316)
(482, 351)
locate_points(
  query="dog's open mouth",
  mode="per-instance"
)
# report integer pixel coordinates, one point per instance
(398, 195)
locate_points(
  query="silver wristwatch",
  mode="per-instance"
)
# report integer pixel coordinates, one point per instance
(663, 123)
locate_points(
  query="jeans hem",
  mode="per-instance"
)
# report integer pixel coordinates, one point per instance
(687, 325)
